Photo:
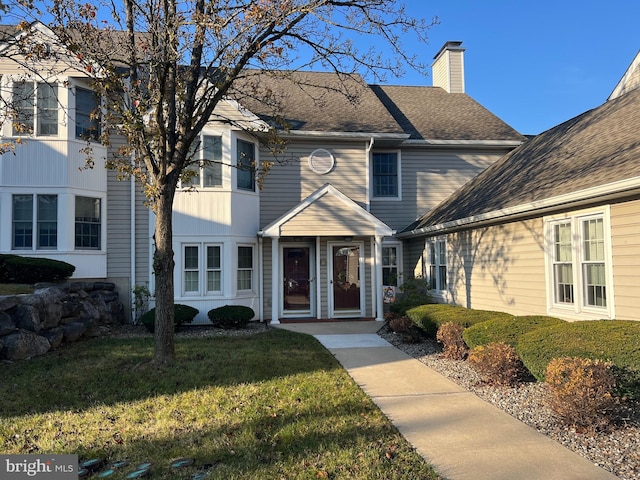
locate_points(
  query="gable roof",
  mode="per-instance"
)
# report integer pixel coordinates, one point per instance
(314, 102)
(594, 154)
(430, 113)
(327, 202)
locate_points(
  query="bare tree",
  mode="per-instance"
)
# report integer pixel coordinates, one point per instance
(164, 65)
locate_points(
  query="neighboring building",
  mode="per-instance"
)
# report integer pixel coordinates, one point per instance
(317, 241)
(553, 228)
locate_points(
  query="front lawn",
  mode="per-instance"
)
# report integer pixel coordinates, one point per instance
(269, 406)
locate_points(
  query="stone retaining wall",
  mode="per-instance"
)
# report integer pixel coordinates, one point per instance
(33, 324)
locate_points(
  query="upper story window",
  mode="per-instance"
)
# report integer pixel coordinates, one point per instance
(35, 106)
(579, 263)
(246, 165)
(385, 175)
(87, 114)
(208, 155)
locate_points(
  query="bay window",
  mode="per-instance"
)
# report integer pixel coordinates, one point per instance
(35, 109)
(43, 221)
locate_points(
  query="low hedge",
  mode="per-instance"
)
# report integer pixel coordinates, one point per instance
(506, 329)
(617, 341)
(182, 314)
(430, 317)
(231, 316)
(29, 270)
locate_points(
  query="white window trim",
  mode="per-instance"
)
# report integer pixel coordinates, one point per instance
(399, 259)
(224, 161)
(202, 270)
(397, 198)
(234, 162)
(9, 85)
(253, 268)
(441, 295)
(578, 310)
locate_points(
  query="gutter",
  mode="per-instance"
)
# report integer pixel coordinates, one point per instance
(610, 191)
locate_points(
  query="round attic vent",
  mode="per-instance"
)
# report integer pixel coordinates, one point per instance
(321, 161)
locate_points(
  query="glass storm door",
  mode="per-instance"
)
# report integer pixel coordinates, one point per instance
(346, 279)
(297, 279)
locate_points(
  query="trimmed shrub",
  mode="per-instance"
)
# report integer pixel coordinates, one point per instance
(29, 270)
(506, 329)
(453, 346)
(581, 390)
(497, 362)
(400, 324)
(617, 341)
(182, 314)
(413, 292)
(430, 317)
(231, 316)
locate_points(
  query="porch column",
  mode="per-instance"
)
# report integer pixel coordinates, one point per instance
(377, 288)
(275, 281)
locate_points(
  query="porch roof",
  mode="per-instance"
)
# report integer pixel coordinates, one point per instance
(327, 212)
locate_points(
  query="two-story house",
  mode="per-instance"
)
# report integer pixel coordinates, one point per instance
(317, 241)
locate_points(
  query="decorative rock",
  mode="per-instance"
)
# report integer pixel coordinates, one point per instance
(50, 315)
(54, 335)
(27, 317)
(73, 331)
(24, 344)
(6, 324)
(8, 301)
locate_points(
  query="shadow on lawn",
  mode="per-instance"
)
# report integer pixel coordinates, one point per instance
(110, 371)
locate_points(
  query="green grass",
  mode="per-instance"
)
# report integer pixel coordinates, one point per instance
(15, 288)
(269, 406)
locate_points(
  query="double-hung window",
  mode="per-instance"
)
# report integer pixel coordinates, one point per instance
(385, 175)
(87, 115)
(43, 221)
(245, 268)
(206, 167)
(437, 252)
(246, 163)
(579, 263)
(88, 231)
(199, 271)
(390, 266)
(35, 109)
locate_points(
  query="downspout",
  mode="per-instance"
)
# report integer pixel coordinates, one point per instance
(260, 281)
(368, 164)
(132, 227)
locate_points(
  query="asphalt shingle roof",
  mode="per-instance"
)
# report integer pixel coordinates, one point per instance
(430, 113)
(599, 147)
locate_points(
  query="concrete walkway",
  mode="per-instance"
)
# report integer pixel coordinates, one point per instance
(460, 435)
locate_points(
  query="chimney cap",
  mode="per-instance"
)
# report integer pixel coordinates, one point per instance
(450, 45)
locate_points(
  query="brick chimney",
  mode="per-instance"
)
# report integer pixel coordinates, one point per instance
(448, 68)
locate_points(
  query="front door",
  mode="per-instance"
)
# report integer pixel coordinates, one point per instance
(346, 280)
(298, 281)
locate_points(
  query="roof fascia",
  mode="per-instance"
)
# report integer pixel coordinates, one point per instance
(610, 191)
(464, 143)
(344, 135)
(635, 64)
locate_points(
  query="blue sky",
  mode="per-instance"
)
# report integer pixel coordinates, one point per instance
(537, 63)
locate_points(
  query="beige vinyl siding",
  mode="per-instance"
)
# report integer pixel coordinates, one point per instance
(499, 268)
(291, 180)
(428, 178)
(327, 216)
(625, 247)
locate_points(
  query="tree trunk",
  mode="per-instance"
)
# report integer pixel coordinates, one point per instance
(163, 265)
